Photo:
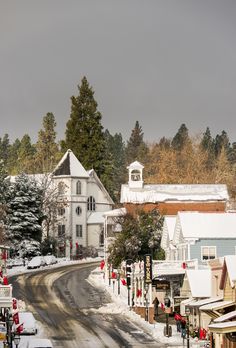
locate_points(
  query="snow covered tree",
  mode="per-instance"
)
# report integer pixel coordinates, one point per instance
(139, 235)
(4, 191)
(25, 215)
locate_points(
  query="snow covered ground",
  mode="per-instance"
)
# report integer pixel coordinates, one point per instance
(118, 305)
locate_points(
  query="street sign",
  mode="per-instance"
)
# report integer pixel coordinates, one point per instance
(148, 268)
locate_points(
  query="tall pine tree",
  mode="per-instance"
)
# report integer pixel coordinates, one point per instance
(136, 148)
(84, 134)
(47, 149)
(181, 138)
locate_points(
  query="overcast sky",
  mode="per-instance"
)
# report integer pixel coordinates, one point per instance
(160, 62)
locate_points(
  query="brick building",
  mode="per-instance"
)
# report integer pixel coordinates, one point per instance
(171, 198)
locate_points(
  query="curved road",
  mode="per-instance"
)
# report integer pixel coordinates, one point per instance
(67, 305)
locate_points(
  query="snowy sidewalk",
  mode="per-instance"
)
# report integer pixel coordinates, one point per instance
(120, 306)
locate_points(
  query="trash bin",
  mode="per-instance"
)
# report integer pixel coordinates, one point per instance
(169, 331)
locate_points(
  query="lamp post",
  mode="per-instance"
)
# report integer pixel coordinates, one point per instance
(16, 339)
(9, 323)
(118, 279)
(167, 305)
(146, 301)
(187, 312)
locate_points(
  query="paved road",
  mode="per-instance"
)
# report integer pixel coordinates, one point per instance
(65, 303)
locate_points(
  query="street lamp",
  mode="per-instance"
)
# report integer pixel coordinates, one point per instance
(167, 330)
(16, 339)
(146, 300)
(118, 279)
(187, 312)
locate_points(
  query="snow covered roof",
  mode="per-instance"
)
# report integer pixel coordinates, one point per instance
(196, 277)
(135, 165)
(115, 212)
(168, 230)
(230, 261)
(96, 218)
(216, 305)
(225, 317)
(195, 225)
(69, 165)
(165, 193)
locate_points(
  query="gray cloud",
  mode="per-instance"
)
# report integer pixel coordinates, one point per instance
(157, 61)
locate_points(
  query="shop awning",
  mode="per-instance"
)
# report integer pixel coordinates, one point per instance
(225, 317)
(199, 303)
(225, 327)
(217, 305)
(212, 308)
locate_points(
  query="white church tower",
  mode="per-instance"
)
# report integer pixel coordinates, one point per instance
(135, 175)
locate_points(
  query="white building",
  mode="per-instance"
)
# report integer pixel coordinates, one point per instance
(80, 221)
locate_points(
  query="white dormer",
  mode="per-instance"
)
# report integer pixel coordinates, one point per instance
(135, 175)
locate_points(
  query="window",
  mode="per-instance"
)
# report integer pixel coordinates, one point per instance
(61, 188)
(78, 210)
(79, 231)
(135, 175)
(61, 231)
(208, 252)
(101, 239)
(91, 204)
(61, 211)
(78, 187)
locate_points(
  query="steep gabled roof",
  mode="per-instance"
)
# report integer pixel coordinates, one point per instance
(195, 225)
(93, 174)
(168, 230)
(69, 165)
(229, 268)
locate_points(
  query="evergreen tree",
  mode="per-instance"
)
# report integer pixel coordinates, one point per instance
(26, 154)
(4, 148)
(116, 147)
(136, 149)
(47, 148)
(84, 134)
(13, 157)
(206, 142)
(222, 141)
(25, 214)
(181, 138)
(4, 191)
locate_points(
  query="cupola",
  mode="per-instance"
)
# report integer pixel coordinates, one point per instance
(135, 175)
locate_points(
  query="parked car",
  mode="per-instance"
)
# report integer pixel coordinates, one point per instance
(39, 343)
(50, 259)
(36, 262)
(29, 323)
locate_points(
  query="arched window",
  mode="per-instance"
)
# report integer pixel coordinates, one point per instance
(78, 187)
(61, 211)
(91, 204)
(61, 188)
(135, 175)
(78, 210)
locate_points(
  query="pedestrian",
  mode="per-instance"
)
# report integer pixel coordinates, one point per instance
(183, 328)
(178, 319)
(156, 304)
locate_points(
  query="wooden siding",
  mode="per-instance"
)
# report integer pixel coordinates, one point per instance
(223, 247)
(229, 292)
(171, 208)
